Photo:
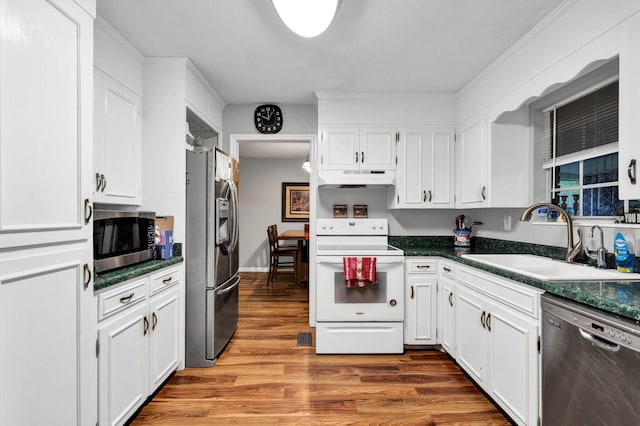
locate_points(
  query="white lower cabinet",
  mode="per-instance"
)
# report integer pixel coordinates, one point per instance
(139, 336)
(420, 301)
(497, 330)
(446, 309)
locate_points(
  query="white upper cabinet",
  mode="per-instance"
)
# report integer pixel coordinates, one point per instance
(338, 148)
(202, 98)
(353, 148)
(425, 176)
(629, 110)
(117, 142)
(473, 161)
(377, 148)
(45, 111)
(118, 86)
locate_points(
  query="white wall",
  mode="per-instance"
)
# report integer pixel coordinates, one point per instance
(238, 119)
(260, 205)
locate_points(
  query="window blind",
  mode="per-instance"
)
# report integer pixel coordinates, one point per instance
(584, 123)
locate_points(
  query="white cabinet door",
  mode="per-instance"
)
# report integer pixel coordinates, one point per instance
(338, 149)
(420, 319)
(123, 366)
(47, 339)
(117, 142)
(377, 148)
(471, 341)
(513, 363)
(446, 314)
(411, 177)
(440, 169)
(472, 158)
(629, 120)
(45, 110)
(425, 177)
(164, 343)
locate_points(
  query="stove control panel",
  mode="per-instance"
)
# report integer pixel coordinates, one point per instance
(359, 226)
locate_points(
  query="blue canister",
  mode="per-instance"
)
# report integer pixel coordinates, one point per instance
(462, 237)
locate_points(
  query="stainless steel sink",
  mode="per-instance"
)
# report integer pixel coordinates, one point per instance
(548, 269)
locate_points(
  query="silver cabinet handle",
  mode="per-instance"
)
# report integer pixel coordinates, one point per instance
(88, 211)
(104, 183)
(126, 299)
(482, 319)
(167, 280)
(87, 273)
(362, 157)
(429, 196)
(412, 292)
(146, 326)
(357, 156)
(631, 171)
(446, 269)
(424, 196)
(98, 182)
(154, 321)
(450, 299)
(488, 321)
(484, 193)
(423, 266)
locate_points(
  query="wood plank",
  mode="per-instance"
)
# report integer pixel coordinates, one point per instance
(263, 377)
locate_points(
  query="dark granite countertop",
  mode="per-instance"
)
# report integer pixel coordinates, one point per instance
(110, 278)
(618, 297)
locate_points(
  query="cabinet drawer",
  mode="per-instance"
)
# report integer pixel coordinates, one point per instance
(120, 298)
(422, 266)
(164, 280)
(447, 269)
(520, 297)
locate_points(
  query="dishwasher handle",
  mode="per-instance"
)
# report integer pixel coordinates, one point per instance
(599, 341)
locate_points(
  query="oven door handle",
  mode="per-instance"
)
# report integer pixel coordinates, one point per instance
(380, 260)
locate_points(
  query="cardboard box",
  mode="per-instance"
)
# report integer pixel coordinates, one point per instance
(164, 223)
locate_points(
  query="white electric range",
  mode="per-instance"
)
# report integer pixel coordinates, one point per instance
(365, 320)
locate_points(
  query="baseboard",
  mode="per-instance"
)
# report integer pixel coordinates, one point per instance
(253, 269)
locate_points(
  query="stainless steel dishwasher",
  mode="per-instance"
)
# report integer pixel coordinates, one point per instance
(590, 366)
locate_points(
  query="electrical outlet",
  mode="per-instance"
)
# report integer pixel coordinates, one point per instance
(506, 221)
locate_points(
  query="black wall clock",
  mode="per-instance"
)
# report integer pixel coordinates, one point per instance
(268, 118)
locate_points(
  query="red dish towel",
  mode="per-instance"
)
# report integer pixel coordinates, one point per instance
(359, 271)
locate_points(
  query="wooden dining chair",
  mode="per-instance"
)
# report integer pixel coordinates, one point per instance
(277, 253)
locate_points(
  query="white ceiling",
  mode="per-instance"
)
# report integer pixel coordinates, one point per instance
(247, 54)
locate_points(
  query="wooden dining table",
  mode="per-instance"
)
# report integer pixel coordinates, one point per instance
(300, 236)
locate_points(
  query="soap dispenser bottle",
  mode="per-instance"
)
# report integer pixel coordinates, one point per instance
(624, 250)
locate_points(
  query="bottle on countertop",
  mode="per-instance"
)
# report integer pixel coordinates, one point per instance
(624, 250)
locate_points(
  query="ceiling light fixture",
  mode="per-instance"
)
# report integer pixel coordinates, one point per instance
(307, 18)
(306, 166)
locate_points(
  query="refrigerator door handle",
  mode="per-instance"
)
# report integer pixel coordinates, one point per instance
(230, 288)
(235, 232)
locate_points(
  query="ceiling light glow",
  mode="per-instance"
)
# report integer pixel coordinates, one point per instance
(307, 18)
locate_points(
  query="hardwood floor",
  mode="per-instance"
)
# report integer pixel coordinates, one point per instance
(263, 377)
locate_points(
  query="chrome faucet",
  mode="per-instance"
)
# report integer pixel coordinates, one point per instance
(572, 249)
(601, 252)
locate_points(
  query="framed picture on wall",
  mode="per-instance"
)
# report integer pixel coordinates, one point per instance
(295, 201)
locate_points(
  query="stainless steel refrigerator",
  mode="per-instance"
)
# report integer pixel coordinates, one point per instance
(211, 254)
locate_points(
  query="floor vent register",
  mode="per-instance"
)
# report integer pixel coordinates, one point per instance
(304, 339)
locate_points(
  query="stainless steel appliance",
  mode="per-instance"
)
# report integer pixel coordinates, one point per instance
(590, 366)
(367, 319)
(122, 238)
(211, 254)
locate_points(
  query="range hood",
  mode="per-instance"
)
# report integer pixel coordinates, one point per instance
(351, 178)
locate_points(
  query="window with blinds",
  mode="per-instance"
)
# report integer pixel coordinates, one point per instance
(582, 149)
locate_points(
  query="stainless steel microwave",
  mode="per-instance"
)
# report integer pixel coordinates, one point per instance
(122, 238)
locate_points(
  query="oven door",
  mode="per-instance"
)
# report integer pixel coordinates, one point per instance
(374, 302)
